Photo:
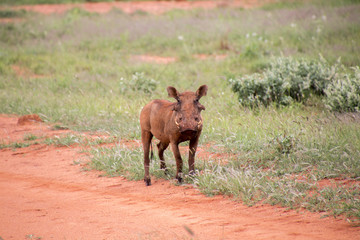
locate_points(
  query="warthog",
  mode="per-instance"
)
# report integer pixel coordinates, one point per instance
(172, 123)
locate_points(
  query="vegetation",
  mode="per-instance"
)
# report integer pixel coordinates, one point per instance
(344, 93)
(14, 145)
(63, 140)
(77, 68)
(288, 80)
(285, 81)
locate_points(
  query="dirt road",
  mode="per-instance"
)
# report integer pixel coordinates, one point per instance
(43, 194)
(153, 7)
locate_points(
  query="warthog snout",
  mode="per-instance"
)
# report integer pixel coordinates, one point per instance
(188, 125)
(189, 133)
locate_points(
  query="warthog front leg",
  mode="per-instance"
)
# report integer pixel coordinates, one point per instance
(192, 151)
(179, 162)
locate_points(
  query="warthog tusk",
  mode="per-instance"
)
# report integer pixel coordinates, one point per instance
(177, 124)
(199, 123)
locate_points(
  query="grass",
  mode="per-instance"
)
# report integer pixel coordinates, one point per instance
(68, 140)
(65, 140)
(32, 236)
(14, 145)
(245, 183)
(28, 140)
(30, 137)
(80, 73)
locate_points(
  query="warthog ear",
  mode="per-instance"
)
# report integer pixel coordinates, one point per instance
(201, 107)
(201, 91)
(173, 92)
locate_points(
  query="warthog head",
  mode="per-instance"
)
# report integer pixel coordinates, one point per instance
(187, 109)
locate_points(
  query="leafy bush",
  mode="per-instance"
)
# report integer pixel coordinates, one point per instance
(138, 83)
(304, 75)
(343, 94)
(254, 90)
(285, 81)
(284, 143)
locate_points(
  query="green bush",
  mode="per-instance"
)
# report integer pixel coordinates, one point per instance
(254, 90)
(286, 80)
(343, 94)
(138, 83)
(303, 75)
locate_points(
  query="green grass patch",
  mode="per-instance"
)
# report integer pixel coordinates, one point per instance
(14, 145)
(68, 140)
(30, 137)
(246, 182)
(64, 141)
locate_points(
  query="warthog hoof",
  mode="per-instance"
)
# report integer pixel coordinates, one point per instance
(166, 172)
(179, 179)
(147, 181)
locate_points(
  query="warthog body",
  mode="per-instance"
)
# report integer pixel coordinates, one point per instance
(172, 123)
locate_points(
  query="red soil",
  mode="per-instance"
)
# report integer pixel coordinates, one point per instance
(216, 57)
(44, 194)
(154, 7)
(167, 60)
(22, 71)
(153, 59)
(29, 119)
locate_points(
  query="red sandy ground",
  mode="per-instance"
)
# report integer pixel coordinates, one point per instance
(167, 60)
(43, 194)
(154, 7)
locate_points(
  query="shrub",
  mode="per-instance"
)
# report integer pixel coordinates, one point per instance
(343, 94)
(138, 83)
(254, 90)
(286, 80)
(303, 75)
(284, 143)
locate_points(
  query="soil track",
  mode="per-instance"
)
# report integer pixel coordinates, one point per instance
(153, 7)
(43, 194)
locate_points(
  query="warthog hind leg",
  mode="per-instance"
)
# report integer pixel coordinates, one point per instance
(161, 147)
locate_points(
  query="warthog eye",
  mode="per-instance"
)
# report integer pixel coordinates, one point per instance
(177, 106)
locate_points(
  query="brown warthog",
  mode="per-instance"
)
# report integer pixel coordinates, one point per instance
(172, 123)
